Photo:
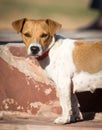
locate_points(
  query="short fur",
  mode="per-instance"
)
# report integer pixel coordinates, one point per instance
(87, 56)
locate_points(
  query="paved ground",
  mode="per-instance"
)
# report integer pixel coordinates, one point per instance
(44, 123)
(47, 124)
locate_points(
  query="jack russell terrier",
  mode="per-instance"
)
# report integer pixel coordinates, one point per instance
(74, 66)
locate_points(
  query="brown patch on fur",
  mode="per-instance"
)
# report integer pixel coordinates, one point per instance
(87, 56)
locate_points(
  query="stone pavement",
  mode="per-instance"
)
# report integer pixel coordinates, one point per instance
(21, 94)
(46, 124)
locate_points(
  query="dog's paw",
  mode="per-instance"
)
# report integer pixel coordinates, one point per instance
(62, 120)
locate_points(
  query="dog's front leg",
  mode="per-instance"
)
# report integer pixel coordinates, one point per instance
(64, 89)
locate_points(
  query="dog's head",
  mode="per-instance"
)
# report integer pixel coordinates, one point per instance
(38, 35)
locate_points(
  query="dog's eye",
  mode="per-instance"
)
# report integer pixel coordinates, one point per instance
(27, 35)
(44, 35)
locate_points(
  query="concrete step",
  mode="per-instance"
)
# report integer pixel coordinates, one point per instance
(9, 36)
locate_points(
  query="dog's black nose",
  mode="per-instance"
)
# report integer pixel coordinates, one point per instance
(34, 50)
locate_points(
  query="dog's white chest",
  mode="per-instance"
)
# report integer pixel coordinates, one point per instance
(61, 61)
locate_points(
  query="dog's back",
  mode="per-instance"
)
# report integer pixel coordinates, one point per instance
(88, 56)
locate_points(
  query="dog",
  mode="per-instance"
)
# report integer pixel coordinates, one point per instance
(74, 66)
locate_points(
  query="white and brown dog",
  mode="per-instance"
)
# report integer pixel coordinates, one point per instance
(74, 66)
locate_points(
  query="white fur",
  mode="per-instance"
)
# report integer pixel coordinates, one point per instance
(84, 81)
(61, 60)
(60, 70)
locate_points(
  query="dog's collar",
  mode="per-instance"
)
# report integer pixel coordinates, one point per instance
(45, 54)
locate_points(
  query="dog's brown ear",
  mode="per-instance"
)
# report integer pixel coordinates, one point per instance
(53, 26)
(18, 24)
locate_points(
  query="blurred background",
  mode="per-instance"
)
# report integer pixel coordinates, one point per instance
(72, 14)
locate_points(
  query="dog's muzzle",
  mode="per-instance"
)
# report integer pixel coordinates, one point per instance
(35, 49)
